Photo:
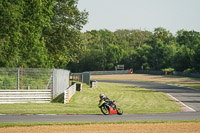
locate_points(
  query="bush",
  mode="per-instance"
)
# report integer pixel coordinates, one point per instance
(189, 70)
(168, 69)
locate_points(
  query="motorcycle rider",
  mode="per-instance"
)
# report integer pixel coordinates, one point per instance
(106, 99)
(103, 97)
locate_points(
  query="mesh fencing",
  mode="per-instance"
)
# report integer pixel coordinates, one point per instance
(25, 78)
(8, 78)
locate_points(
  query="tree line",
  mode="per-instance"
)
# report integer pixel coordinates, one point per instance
(47, 34)
(138, 49)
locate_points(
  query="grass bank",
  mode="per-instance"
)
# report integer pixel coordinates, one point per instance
(169, 79)
(132, 99)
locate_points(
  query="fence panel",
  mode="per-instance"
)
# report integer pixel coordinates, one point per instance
(69, 92)
(60, 81)
(21, 84)
(8, 78)
(25, 78)
(36, 78)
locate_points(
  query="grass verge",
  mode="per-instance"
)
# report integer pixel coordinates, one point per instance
(169, 79)
(13, 124)
(132, 99)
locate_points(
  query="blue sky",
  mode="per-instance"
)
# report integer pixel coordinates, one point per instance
(172, 15)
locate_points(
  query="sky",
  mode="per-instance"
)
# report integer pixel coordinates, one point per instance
(172, 15)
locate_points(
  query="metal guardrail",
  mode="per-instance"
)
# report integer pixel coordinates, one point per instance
(108, 72)
(25, 96)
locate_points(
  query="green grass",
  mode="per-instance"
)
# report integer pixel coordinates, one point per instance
(12, 124)
(132, 99)
(194, 85)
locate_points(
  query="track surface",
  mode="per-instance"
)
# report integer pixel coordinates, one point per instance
(96, 117)
(189, 97)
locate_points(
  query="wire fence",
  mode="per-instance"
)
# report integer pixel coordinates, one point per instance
(25, 78)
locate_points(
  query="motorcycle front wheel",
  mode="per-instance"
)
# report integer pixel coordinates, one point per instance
(105, 110)
(119, 111)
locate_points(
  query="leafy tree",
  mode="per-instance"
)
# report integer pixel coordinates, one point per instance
(189, 42)
(196, 59)
(188, 38)
(36, 18)
(40, 33)
(162, 43)
(22, 23)
(11, 15)
(114, 55)
(143, 57)
(182, 59)
(63, 41)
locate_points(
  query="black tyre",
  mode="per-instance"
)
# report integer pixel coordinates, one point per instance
(105, 110)
(119, 111)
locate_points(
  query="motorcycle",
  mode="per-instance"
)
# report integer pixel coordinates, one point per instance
(109, 107)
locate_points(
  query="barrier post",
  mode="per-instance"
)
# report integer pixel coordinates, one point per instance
(21, 75)
(68, 96)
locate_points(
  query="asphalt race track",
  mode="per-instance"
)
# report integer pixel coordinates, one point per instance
(98, 117)
(189, 97)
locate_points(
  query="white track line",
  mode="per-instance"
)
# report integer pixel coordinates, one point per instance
(181, 103)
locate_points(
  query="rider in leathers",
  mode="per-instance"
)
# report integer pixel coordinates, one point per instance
(106, 99)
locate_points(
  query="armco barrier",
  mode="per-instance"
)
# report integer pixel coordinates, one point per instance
(149, 72)
(193, 75)
(25, 96)
(108, 72)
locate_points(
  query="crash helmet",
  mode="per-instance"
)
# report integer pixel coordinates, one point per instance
(101, 96)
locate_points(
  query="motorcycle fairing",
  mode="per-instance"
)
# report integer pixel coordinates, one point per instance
(112, 111)
(101, 103)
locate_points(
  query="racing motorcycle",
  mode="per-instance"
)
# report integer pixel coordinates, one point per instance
(109, 107)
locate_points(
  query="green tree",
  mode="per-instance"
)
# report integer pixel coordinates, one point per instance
(11, 14)
(36, 18)
(189, 42)
(63, 41)
(114, 55)
(143, 57)
(162, 44)
(182, 59)
(22, 24)
(196, 59)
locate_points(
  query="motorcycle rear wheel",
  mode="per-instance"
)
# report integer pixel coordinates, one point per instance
(105, 110)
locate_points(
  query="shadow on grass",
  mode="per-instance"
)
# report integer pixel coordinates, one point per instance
(59, 99)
